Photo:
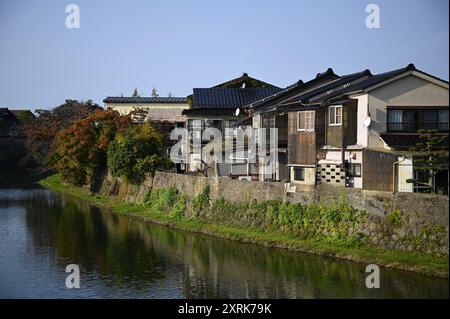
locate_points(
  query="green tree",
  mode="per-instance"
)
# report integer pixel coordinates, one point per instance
(136, 93)
(154, 92)
(136, 152)
(431, 155)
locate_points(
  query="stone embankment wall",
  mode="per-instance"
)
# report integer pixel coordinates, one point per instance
(405, 221)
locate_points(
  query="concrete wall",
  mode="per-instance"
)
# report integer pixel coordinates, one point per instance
(310, 177)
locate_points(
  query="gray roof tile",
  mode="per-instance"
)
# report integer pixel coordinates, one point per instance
(131, 99)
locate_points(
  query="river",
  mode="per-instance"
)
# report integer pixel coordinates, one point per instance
(42, 232)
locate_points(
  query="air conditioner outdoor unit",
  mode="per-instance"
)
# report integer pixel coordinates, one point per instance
(245, 178)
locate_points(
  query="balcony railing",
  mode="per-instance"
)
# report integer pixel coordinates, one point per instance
(413, 127)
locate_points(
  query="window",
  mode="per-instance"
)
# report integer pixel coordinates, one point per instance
(299, 173)
(335, 115)
(305, 121)
(443, 120)
(354, 169)
(408, 120)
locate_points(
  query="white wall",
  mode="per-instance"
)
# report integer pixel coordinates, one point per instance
(362, 137)
(405, 171)
(310, 176)
(352, 156)
(408, 91)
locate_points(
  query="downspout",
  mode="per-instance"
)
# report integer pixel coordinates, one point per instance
(402, 159)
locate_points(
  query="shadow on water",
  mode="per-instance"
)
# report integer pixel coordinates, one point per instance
(122, 257)
(21, 178)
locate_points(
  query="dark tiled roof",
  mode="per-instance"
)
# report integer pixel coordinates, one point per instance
(131, 99)
(229, 97)
(400, 140)
(404, 141)
(296, 87)
(6, 114)
(371, 81)
(209, 112)
(317, 95)
(248, 80)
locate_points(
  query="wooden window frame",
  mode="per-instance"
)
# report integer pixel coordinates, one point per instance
(311, 118)
(333, 109)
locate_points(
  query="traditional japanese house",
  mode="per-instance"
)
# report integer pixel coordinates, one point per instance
(301, 127)
(357, 130)
(219, 107)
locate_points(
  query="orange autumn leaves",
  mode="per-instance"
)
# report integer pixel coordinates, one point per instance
(83, 146)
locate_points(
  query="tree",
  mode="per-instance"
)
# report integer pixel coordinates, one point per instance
(170, 94)
(431, 155)
(83, 146)
(136, 152)
(25, 117)
(154, 92)
(136, 93)
(40, 132)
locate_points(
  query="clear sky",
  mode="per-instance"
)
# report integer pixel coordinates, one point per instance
(178, 45)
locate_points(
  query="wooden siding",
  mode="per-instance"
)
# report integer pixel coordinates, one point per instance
(350, 119)
(320, 128)
(334, 135)
(281, 123)
(377, 170)
(301, 145)
(347, 130)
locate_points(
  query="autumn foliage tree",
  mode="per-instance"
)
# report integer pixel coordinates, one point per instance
(83, 146)
(40, 132)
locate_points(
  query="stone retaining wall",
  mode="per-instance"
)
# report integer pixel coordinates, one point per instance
(405, 221)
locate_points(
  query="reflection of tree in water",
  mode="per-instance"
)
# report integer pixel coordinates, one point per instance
(81, 234)
(134, 252)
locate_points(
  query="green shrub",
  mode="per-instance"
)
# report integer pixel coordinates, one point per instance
(337, 224)
(394, 218)
(167, 200)
(136, 152)
(334, 224)
(201, 201)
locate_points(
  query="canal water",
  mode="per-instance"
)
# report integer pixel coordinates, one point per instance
(41, 232)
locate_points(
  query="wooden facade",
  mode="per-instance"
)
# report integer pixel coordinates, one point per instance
(378, 170)
(348, 129)
(304, 145)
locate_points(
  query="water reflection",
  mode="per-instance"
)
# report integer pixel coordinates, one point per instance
(121, 257)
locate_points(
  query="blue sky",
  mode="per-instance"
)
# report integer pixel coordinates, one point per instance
(178, 45)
